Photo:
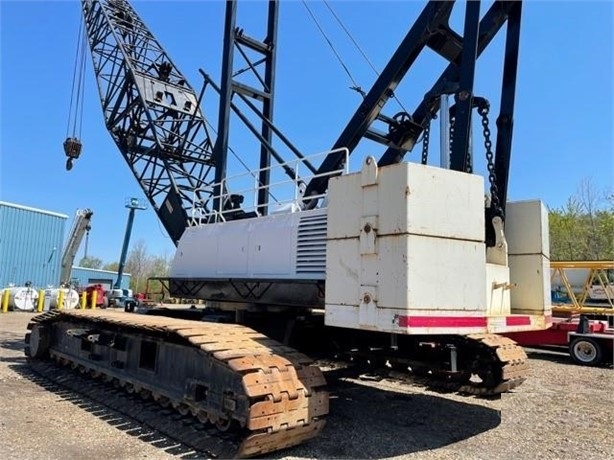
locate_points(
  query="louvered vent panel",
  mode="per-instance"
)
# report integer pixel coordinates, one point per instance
(311, 245)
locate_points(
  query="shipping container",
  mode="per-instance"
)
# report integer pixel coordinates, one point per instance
(31, 242)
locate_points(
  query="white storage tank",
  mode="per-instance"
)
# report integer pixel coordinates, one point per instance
(22, 298)
(71, 298)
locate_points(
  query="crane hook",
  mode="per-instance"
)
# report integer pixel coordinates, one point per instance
(72, 149)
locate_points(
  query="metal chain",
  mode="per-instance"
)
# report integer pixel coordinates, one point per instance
(425, 143)
(468, 162)
(468, 166)
(494, 192)
(452, 119)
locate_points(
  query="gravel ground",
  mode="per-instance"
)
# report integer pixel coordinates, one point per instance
(563, 411)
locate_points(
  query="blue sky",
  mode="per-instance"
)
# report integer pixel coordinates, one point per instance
(563, 119)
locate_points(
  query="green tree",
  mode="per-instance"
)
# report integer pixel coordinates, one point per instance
(111, 266)
(583, 229)
(137, 264)
(90, 262)
(159, 269)
(142, 266)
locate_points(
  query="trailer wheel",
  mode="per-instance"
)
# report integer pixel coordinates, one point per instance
(585, 351)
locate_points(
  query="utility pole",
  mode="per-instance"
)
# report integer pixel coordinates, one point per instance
(132, 204)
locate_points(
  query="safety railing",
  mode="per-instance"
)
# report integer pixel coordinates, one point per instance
(285, 193)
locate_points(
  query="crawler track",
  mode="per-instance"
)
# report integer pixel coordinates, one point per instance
(488, 365)
(261, 396)
(499, 362)
(200, 440)
(508, 362)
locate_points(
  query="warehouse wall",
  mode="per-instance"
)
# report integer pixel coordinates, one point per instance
(87, 276)
(31, 243)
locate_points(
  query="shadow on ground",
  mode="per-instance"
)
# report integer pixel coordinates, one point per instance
(112, 417)
(12, 342)
(364, 422)
(367, 422)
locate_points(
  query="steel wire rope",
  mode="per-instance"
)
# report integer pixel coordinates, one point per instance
(76, 72)
(356, 86)
(81, 88)
(162, 230)
(360, 50)
(239, 158)
(207, 123)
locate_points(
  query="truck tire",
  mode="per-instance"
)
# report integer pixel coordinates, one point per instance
(585, 351)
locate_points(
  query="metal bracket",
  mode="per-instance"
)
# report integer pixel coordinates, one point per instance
(498, 253)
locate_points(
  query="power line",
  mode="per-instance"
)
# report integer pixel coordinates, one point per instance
(241, 161)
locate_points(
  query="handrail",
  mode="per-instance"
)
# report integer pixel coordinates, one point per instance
(286, 192)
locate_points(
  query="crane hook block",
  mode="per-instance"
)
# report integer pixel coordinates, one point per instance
(72, 147)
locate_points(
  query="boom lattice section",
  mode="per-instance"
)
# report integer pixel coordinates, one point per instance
(150, 110)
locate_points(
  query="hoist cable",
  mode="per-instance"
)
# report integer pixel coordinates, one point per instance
(360, 50)
(347, 71)
(74, 79)
(81, 93)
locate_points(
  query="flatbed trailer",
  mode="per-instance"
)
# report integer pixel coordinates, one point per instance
(590, 342)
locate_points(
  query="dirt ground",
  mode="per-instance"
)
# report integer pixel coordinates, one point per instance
(563, 411)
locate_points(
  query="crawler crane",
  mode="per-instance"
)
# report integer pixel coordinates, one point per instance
(365, 252)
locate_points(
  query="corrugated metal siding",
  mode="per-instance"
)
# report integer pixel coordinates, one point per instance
(86, 276)
(31, 242)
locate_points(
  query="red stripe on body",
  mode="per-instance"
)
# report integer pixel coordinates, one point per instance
(442, 321)
(518, 321)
